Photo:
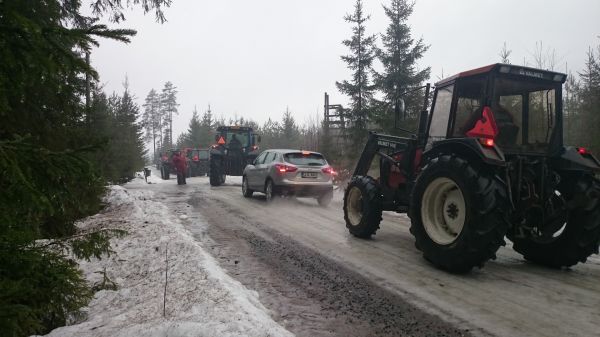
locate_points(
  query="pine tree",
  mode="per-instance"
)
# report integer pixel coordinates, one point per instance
(151, 120)
(401, 74)
(168, 108)
(359, 61)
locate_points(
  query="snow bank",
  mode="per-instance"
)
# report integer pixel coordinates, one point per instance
(201, 299)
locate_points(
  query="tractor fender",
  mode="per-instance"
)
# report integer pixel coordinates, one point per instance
(572, 159)
(469, 148)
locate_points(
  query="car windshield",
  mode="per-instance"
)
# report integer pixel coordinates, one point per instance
(525, 112)
(310, 159)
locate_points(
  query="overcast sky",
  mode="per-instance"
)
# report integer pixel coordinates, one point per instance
(255, 58)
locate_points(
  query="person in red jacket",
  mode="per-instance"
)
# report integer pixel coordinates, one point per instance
(179, 163)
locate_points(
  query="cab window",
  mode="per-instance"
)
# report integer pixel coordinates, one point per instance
(441, 114)
(469, 94)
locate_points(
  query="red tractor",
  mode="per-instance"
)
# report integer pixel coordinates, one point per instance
(487, 162)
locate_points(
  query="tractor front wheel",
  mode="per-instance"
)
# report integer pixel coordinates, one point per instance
(579, 236)
(362, 206)
(457, 214)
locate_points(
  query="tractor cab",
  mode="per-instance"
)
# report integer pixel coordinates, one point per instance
(234, 148)
(518, 109)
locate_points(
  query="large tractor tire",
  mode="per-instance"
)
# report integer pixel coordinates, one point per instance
(579, 237)
(458, 215)
(217, 177)
(362, 206)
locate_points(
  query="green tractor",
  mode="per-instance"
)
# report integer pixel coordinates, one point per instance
(236, 147)
(487, 162)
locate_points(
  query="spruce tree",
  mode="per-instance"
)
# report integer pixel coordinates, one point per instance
(194, 135)
(401, 73)
(359, 88)
(290, 133)
(49, 176)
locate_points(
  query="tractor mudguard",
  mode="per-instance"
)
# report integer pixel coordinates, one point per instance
(572, 159)
(469, 148)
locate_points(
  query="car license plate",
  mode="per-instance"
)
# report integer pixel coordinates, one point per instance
(309, 174)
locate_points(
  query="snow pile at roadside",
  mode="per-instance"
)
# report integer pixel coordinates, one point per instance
(201, 299)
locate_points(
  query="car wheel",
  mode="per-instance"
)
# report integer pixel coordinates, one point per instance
(246, 191)
(269, 190)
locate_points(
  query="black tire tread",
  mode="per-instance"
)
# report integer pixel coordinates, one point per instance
(579, 239)
(215, 172)
(249, 192)
(488, 223)
(371, 208)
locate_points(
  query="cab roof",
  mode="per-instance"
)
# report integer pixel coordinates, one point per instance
(508, 69)
(234, 127)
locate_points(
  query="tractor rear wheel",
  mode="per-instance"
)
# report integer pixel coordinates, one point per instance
(362, 206)
(216, 173)
(457, 214)
(578, 238)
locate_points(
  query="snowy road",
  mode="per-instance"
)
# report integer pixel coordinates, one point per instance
(318, 280)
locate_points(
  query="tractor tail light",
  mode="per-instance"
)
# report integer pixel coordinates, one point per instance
(283, 168)
(487, 142)
(582, 150)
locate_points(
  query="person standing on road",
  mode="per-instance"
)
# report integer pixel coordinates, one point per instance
(179, 163)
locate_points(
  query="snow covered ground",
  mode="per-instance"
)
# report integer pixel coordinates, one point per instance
(201, 299)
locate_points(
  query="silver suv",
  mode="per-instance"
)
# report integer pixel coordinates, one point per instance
(289, 172)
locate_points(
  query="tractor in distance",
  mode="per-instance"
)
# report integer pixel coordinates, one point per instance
(487, 162)
(236, 147)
